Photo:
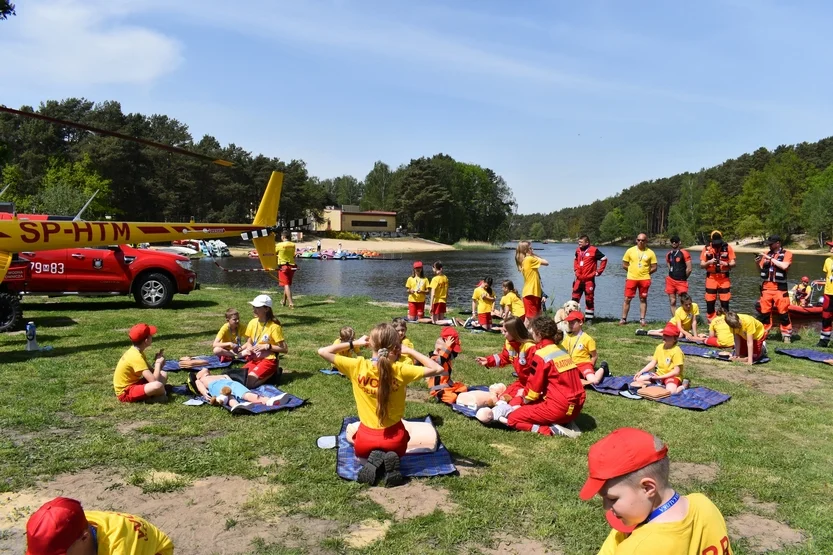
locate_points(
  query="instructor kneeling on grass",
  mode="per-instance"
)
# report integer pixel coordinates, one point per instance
(379, 389)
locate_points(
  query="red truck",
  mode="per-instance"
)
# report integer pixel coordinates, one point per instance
(152, 277)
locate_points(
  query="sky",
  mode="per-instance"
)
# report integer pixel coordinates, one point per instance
(568, 101)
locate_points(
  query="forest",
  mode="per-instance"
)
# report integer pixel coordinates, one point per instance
(54, 169)
(785, 191)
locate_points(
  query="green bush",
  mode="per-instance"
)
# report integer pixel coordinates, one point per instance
(343, 235)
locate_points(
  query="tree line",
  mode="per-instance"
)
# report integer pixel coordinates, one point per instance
(54, 169)
(784, 191)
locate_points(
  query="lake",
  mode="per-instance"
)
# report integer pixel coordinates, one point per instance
(384, 280)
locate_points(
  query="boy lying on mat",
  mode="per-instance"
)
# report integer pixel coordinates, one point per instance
(222, 390)
(379, 390)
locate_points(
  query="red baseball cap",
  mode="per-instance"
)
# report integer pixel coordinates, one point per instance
(805, 279)
(451, 332)
(574, 315)
(418, 264)
(829, 243)
(140, 332)
(670, 330)
(55, 527)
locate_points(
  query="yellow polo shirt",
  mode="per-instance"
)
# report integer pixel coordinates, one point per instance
(440, 286)
(127, 534)
(639, 263)
(532, 279)
(129, 370)
(270, 333)
(515, 304)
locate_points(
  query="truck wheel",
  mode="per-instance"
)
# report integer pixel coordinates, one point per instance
(11, 313)
(153, 291)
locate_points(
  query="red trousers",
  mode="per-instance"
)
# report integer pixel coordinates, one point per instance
(773, 300)
(542, 415)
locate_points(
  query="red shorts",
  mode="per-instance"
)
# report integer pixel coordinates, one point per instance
(134, 393)
(485, 319)
(712, 342)
(285, 274)
(532, 306)
(757, 349)
(665, 381)
(393, 438)
(438, 308)
(262, 369)
(675, 286)
(416, 310)
(585, 368)
(631, 285)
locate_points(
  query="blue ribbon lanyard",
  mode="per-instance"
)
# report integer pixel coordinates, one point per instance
(94, 534)
(664, 507)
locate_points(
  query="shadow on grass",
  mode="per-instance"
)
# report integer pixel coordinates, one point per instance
(53, 321)
(585, 422)
(86, 306)
(467, 464)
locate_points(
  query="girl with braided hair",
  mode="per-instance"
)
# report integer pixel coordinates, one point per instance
(379, 389)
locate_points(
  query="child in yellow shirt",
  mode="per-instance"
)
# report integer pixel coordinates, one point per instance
(228, 343)
(629, 470)
(668, 360)
(439, 293)
(482, 303)
(401, 327)
(417, 286)
(510, 303)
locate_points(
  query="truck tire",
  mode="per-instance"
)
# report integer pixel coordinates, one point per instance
(153, 290)
(11, 312)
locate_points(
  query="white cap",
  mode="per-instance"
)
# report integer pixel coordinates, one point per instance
(262, 300)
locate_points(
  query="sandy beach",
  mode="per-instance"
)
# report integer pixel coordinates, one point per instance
(373, 244)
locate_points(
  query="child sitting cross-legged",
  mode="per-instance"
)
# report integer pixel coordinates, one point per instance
(668, 361)
(133, 379)
(629, 470)
(346, 335)
(582, 349)
(227, 344)
(401, 327)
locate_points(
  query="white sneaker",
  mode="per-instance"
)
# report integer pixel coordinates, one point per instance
(272, 401)
(572, 431)
(240, 407)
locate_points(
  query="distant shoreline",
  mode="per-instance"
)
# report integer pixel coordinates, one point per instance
(410, 245)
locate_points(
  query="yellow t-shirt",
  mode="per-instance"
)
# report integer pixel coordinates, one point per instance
(579, 347)
(483, 306)
(639, 263)
(532, 279)
(225, 335)
(701, 532)
(722, 331)
(365, 378)
(286, 252)
(750, 325)
(347, 352)
(270, 333)
(418, 284)
(126, 534)
(828, 281)
(667, 359)
(129, 369)
(683, 319)
(440, 286)
(514, 302)
(403, 358)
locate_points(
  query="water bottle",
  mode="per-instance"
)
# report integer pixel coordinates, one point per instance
(31, 340)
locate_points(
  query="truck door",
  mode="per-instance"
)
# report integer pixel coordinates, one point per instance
(48, 271)
(96, 270)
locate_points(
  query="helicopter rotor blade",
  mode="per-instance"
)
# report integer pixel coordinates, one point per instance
(98, 131)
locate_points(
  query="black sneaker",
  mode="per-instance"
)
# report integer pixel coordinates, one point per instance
(393, 477)
(373, 468)
(823, 343)
(641, 332)
(606, 369)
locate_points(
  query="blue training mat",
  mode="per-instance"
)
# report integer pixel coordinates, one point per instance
(809, 354)
(419, 465)
(711, 352)
(695, 398)
(288, 402)
(612, 385)
(213, 362)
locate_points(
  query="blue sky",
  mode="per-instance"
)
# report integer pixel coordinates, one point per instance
(568, 101)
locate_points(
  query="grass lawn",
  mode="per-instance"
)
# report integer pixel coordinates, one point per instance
(765, 457)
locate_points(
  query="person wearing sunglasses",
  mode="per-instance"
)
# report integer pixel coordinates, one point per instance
(640, 262)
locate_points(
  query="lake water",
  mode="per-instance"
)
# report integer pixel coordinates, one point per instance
(384, 280)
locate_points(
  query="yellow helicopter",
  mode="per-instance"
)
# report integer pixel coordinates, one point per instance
(30, 235)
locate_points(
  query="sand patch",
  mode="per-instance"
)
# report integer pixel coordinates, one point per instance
(209, 516)
(366, 532)
(411, 500)
(692, 472)
(765, 382)
(385, 304)
(506, 544)
(505, 450)
(266, 462)
(128, 428)
(762, 534)
(760, 506)
(469, 467)
(416, 395)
